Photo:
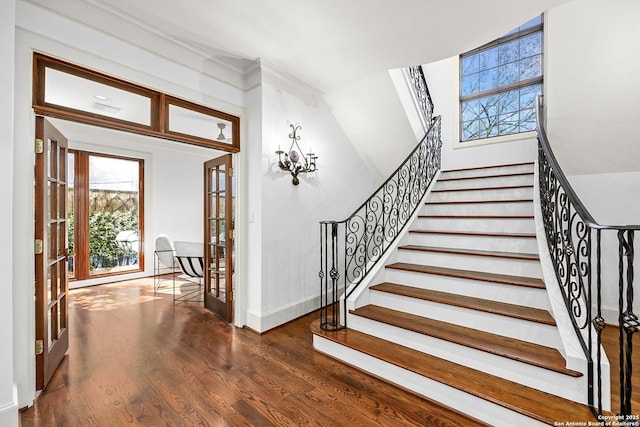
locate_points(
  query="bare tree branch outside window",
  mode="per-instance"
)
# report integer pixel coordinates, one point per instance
(499, 83)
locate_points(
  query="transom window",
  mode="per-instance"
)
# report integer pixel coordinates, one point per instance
(499, 83)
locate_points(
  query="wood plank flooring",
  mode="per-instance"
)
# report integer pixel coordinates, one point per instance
(136, 359)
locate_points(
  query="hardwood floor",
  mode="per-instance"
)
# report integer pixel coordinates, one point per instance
(136, 359)
(610, 342)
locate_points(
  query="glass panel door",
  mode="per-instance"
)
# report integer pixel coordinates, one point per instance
(51, 289)
(219, 237)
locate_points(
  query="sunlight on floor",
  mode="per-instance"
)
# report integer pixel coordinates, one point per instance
(112, 296)
(115, 295)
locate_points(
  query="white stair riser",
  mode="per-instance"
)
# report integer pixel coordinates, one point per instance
(488, 243)
(481, 409)
(475, 224)
(532, 376)
(511, 208)
(484, 182)
(510, 294)
(502, 194)
(523, 330)
(487, 171)
(513, 267)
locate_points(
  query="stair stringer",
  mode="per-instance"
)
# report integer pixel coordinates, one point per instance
(360, 296)
(570, 346)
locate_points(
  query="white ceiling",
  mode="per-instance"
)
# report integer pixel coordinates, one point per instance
(325, 43)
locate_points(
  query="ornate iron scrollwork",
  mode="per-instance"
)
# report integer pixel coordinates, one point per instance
(358, 242)
(569, 229)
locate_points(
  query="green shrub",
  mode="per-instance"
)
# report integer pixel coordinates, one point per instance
(103, 229)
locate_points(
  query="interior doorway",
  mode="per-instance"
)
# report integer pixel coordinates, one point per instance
(165, 205)
(74, 94)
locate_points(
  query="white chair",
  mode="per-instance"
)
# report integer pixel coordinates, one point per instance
(165, 261)
(190, 257)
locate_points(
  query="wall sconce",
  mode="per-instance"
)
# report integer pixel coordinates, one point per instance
(292, 162)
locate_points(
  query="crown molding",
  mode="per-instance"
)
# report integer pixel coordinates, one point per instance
(123, 26)
(241, 73)
(289, 84)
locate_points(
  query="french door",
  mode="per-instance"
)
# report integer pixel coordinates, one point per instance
(218, 237)
(51, 250)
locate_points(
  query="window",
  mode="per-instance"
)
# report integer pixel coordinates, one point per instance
(71, 92)
(106, 219)
(499, 83)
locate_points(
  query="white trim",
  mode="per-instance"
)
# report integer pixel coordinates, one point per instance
(457, 144)
(68, 40)
(204, 59)
(268, 320)
(9, 415)
(284, 82)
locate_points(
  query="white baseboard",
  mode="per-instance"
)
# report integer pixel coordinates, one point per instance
(9, 415)
(610, 314)
(262, 322)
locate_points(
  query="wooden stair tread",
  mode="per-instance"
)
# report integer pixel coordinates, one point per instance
(459, 202)
(502, 175)
(535, 404)
(511, 348)
(475, 252)
(530, 282)
(500, 187)
(505, 234)
(472, 303)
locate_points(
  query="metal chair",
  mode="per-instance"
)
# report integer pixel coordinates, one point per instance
(165, 261)
(190, 257)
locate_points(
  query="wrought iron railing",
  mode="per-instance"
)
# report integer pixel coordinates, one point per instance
(421, 92)
(576, 247)
(349, 249)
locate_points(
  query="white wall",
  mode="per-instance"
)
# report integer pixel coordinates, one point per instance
(592, 113)
(592, 84)
(373, 118)
(290, 215)
(8, 397)
(616, 204)
(251, 231)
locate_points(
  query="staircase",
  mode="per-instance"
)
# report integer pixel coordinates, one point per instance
(461, 315)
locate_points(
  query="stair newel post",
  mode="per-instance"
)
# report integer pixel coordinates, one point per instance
(628, 321)
(329, 292)
(334, 276)
(324, 291)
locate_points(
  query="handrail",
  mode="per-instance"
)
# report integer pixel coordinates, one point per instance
(349, 249)
(564, 182)
(569, 229)
(422, 94)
